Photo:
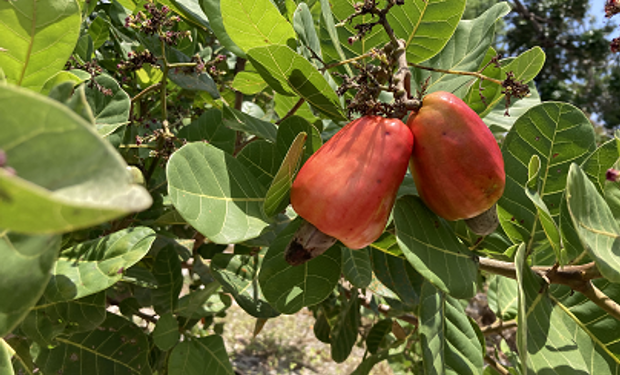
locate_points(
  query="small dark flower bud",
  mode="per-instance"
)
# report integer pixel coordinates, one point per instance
(612, 175)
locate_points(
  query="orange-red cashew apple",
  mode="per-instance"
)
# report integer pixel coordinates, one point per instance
(457, 165)
(346, 189)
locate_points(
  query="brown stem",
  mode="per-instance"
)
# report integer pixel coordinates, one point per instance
(497, 327)
(348, 61)
(495, 365)
(578, 278)
(595, 295)
(457, 72)
(146, 91)
(292, 110)
(384, 309)
(572, 276)
(239, 67)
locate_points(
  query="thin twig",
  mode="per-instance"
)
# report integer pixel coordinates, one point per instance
(497, 327)
(457, 72)
(595, 295)
(495, 365)
(292, 110)
(144, 92)
(578, 278)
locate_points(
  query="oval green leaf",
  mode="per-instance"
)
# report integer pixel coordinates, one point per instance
(216, 194)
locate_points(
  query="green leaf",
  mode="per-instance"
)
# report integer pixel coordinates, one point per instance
(377, 335)
(238, 275)
(192, 9)
(486, 88)
(331, 40)
(433, 250)
(215, 193)
(240, 121)
(559, 134)
(305, 28)
(544, 216)
(594, 222)
(356, 266)
(210, 127)
(166, 269)
(289, 129)
(398, 275)
(502, 297)
(117, 346)
(22, 360)
(289, 73)
(261, 160)
(288, 289)
(464, 52)
(544, 340)
(166, 333)
(597, 163)
(594, 329)
(50, 319)
(449, 342)
(67, 177)
(74, 76)
(203, 303)
(497, 120)
(344, 333)
(111, 110)
(277, 196)
(200, 356)
(6, 368)
(25, 266)
(99, 32)
(213, 10)
(426, 26)
(525, 68)
(255, 23)
(98, 264)
(193, 81)
(38, 38)
(249, 83)
(284, 104)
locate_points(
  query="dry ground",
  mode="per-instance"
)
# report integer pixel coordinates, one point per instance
(286, 345)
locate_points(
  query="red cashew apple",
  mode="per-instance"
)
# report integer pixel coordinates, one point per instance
(457, 164)
(348, 187)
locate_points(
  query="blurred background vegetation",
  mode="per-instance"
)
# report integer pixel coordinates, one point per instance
(575, 35)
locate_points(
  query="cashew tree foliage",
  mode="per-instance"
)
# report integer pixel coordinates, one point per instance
(148, 149)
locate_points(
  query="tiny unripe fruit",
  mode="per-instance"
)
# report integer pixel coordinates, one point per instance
(457, 164)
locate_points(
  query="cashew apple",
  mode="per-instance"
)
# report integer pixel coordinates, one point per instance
(348, 187)
(456, 164)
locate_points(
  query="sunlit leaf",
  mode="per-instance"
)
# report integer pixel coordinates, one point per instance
(67, 177)
(37, 39)
(255, 23)
(433, 249)
(464, 52)
(117, 346)
(200, 356)
(559, 134)
(96, 265)
(215, 193)
(289, 288)
(289, 73)
(25, 266)
(276, 199)
(238, 275)
(594, 222)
